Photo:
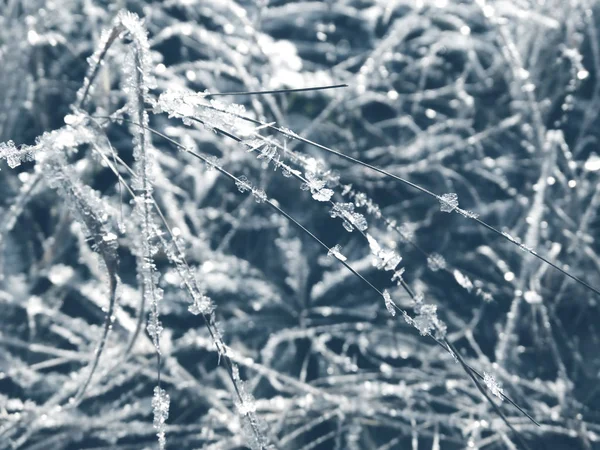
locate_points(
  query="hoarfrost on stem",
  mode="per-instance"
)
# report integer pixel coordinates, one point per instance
(243, 184)
(336, 252)
(245, 404)
(436, 262)
(317, 187)
(201, 305)
(426, 319)
(13, 155)
(253, 428)
(160, 409)
(389, 303)
(448, 202)
(386, 259)
(351, 219)
(213, 114)
(260, 196)
(493, 385)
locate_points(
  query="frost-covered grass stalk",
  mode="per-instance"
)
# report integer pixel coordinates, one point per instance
(313, 225)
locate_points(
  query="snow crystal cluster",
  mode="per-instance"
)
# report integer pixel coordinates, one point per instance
(160, 410)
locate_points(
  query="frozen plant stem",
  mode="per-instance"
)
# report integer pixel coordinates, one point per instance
(278, 91)
(439, 198)
(444, 343)
(184, 270)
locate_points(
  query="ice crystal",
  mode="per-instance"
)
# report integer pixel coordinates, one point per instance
(388, 259)
(201, 305)
(322, 195)
(336, 252)
(426, 319)
(383, 259)
(448, 202)
(245, 403)
(260, 196)
(154, 329)
(360, 199)
(317, 187)
(268, 153)
(351, 219)
(389, 303)
(214, 114)
(212, 163)
(160, 409)
(468, 214)
(15, 156)
(397, 277)
(243, 184)
(493, 385)
(436, 262)
(407, 231)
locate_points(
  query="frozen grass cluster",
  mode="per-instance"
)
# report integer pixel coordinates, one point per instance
(297, 224)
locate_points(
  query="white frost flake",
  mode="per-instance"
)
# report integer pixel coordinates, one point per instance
(448, 202)
(336, 251)
(389, 303)
(493, 385)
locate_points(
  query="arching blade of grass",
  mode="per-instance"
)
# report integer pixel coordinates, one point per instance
(98, 58)
(277, 91)
(111, 262)
(446, 345)
(414, 186)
